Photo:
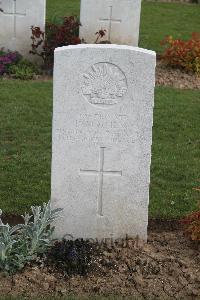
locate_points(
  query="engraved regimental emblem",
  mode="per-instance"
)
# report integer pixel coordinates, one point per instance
(104, 84)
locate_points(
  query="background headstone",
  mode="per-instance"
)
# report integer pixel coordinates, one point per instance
(120, 18)
(15, 23)
(102, 136)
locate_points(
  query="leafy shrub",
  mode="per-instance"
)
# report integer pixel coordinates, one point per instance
(57, 35)
(183, 54)
(23, 70)
(24, 242)
(7, 59)
(192, 222)
(100, 34)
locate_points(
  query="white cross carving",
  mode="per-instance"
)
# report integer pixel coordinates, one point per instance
(101, 174)
(110, 20)
(14, 14)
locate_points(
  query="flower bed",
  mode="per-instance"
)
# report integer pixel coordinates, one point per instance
(166, 268)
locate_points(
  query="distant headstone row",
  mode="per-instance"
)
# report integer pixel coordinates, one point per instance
(120, 19)
(102, 135)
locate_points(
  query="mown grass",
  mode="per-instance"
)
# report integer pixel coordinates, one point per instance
(157, 19)
(175, 152)
(25, 148)
(25, 144)
(161, 19)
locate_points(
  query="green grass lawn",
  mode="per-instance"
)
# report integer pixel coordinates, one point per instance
(25, 148)
(157, 19)
(25, 144)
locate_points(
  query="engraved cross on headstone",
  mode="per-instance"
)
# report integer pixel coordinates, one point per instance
(14, 14)
(101, 174)
(110, 20)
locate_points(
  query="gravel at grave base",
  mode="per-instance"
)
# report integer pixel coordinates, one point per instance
(167, 267)
(177, 78)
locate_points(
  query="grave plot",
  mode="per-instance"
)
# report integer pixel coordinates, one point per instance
(166, 268)
(103, 111)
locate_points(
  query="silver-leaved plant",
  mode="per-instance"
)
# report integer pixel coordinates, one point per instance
(24, 242)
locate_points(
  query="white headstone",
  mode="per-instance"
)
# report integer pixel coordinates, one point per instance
(16, 20)
(102, 136)
(120, 18)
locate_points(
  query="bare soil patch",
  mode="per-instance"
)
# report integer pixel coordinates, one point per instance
(167, 267)
(177, 78)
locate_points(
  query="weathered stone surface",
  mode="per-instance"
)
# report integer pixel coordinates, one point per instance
(102, 135)
(15, 23)
(120, 18)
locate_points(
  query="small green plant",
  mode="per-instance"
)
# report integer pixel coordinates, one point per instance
(23, 70)
(24, 242)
